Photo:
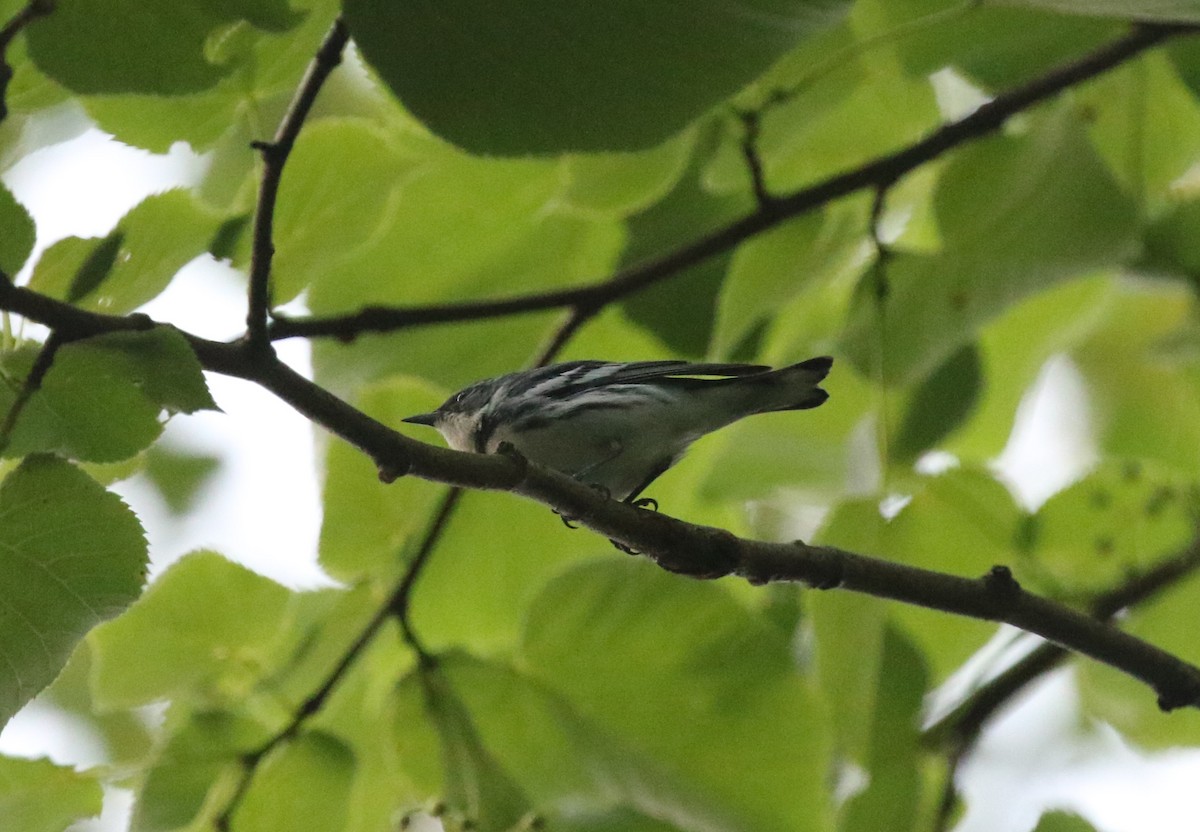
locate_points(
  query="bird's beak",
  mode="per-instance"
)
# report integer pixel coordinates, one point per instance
(428, 419)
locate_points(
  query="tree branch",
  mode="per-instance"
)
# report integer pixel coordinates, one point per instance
(880, 172)
(31, 12)
(961, 727)
(688, 549)
(275, 154)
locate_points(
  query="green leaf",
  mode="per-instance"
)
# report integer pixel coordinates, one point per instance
(768, 271)
(100, 46)
(1014, 348)
(1145, 124)
(994, 46)
(203, 631)
(340, 180)
(72, 555)
(554, 76)
(1168, 621)
(1120, 519)
(476, 785)
(367, 524)
(17, 233)
(1062, 821)
(132, 265)
(202, 748)
(963, 522)
(941, 403)
(729, 713)
(1162, 11)
(305, 784)
(680, 312)
(38, 796)
(1144, 402)
(621, 183)
(102, 398)
(578, 776)
(892, 761)
(1018, 214)
(180, 476)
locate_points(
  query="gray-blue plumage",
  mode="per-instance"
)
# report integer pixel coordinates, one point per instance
(618, 426)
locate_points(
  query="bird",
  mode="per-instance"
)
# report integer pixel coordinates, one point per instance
(617, 426)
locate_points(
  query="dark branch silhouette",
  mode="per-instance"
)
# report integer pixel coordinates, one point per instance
(275, 154)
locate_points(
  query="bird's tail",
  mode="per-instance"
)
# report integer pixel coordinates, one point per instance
(794, 387)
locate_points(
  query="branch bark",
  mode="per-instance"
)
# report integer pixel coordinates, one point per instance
(275, 155)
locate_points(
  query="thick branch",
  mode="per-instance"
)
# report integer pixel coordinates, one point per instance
(877, 173)
(695, 550)
(275, 154)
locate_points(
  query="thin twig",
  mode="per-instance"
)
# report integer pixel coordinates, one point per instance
(883, 170)
(33, 383)
(31, 12)
(275, 154)
(758, 182)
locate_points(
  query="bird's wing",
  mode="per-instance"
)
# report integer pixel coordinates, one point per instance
(576, 377)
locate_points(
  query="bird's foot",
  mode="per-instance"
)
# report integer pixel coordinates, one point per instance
(569, 522)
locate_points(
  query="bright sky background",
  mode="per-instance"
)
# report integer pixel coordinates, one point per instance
(263, 510)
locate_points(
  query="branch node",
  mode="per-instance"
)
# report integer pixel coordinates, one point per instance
(1000, 584)
(391, 470)
(509, 451)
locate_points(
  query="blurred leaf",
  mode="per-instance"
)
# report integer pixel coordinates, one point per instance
(730, 714)
(179, 476)
(203, 632)
(555, 76)
(1164, 11)
(621, 183)
(38, 796)
(1061, 821)
(1169, 623)
(892, 760)
(1122, 518)
(577, 776)
(100, 46)
(680, 312)
(994, 46)
(1014, 348)
(133, 264)
(201, 749)
(72, 555)
(771, 269)
(367, 524)
(1144, 403)
(939, 404)
(494, 557)
(1146, 125)
(17, 233)
(476, 784)
(102, 398)
(304, 784)
(259, 71)
(340, 180)
(1018, 214)
(962, 522)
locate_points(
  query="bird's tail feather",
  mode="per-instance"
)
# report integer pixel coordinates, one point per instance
(796, 386)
